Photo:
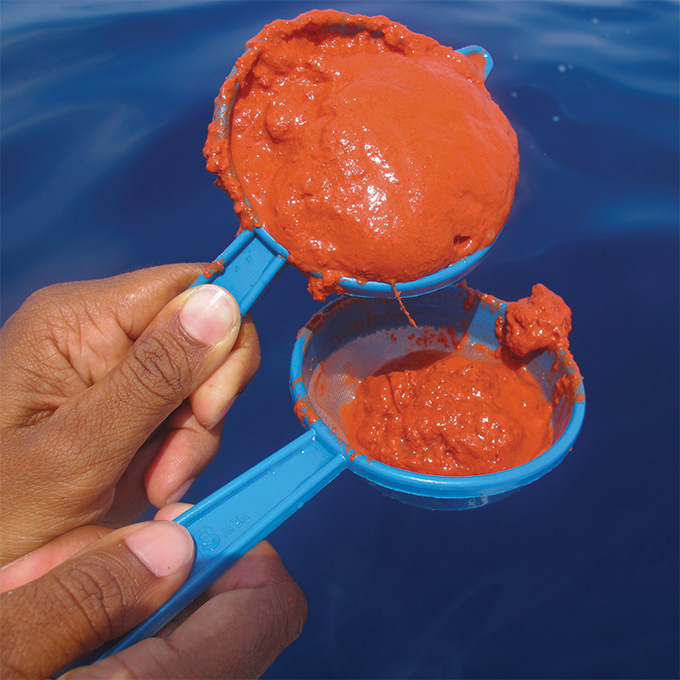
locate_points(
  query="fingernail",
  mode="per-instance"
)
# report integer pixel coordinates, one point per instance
(179, 494)
(163, 547)
(209, 314)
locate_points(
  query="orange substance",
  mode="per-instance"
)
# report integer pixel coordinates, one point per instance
(442, 413)
(542, 321)
(366, 150)
(215, 267)
(397, 295)
(439, 412)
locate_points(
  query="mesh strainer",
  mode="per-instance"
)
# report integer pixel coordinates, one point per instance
(348, 340)
(254, 259)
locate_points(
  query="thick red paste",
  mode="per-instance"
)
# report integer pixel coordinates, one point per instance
(541, 321)
(364, 149)
(537, 323)
(449, 415)
(445, 413)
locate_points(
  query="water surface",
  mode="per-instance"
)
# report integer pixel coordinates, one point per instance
(104, 113)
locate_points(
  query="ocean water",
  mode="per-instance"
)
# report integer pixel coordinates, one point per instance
(105, 107)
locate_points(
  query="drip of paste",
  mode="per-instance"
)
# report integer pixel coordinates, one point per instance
(364, 149)
(445, 413)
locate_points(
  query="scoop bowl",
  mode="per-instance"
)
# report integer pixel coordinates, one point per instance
(352, 338)
(252, 262)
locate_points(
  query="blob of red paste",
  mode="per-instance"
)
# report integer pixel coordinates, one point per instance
(364, 149)
(541, 321)
(449, 415)
(444, 413)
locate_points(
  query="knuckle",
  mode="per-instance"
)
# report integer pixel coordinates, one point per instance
(161, 366)
(94, 598)
(254, 358)
(287, 610)
(249, 338)
(160, 660)
(165, 661)
(49, 298)
(44, 296)
(30, 317)
(295, 611)
(278, 614)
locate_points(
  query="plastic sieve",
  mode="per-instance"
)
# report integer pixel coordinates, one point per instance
(348, 340)
(254, 259)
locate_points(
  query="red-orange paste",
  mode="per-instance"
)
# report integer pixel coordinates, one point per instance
(541, 321)
(364, 149)
(443, 413)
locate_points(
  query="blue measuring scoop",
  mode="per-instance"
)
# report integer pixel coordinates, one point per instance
(348, 340)
(254, 259)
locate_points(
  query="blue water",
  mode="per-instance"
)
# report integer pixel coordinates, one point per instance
(104, 113)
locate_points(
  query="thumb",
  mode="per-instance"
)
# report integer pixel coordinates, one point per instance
(93, 597)
(183, 345)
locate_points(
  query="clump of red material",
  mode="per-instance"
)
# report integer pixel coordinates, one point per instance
(446, 414)
(541, 321)
(364, 149)
(442, 412)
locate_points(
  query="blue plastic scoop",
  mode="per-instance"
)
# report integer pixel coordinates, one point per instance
(348, 340)
(250, 264)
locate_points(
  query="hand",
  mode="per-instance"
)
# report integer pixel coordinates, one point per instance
(252, 612)
(115, 391)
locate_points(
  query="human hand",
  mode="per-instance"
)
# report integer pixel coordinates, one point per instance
(113, 390)
(246, 618)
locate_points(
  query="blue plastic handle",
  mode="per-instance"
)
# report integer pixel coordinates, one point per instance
(238, 516)
(246, 268)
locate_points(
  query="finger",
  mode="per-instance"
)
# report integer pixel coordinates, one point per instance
(213, 399)
(255, 568)
(133, 298)
(184, 344)
(172, 511)
(120, 308)
(236, 634)
(192, 434)
(186, 450)
(38, 562)
(147, 291)
(131, 498)
(106, 315)
(250, 571)
(95, 596)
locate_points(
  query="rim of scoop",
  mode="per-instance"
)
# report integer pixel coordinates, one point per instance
(381, 289)
(425, 284)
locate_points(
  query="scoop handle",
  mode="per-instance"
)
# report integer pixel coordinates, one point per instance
(235, 518)
(246, 268)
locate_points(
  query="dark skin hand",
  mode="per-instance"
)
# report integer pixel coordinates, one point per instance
(114, 395)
